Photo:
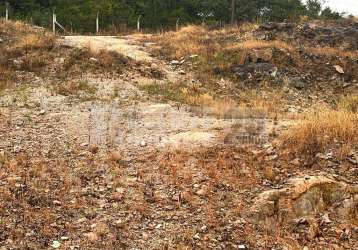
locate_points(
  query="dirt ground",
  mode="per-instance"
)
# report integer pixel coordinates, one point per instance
(124, 170)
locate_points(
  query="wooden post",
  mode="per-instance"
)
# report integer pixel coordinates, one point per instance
(54, 22)
(138, 22)
(7, 11)
(177, 24)
(233, 11)
(97, 23)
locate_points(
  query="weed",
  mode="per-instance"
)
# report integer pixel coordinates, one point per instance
(35, 41)
(75, 88)
(349, 103)
(333, 52)
(321, 130)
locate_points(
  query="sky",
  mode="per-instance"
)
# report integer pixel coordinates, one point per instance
(349, 6)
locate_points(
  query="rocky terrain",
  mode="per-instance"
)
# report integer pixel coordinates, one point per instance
(243, 138)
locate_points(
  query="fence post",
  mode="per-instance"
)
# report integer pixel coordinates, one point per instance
(7, 11)
(54, 22)
(97, 23)
(177, 24)
(138, 22)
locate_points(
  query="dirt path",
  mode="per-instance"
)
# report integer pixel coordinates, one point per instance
(147, 123)
(110, 43)
(128, 122)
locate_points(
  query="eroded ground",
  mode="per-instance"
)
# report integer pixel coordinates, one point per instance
(92, 160)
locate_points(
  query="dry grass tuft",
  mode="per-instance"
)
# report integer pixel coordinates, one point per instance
(331, 52)
(322, 130)
(259, 44)
(35, 41)
(252, 104)
(349, 103)
(6, 75)
(74, 88)
(188, 41)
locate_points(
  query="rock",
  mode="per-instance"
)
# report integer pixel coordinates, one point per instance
(253, 68)
(55, 244)
(313, 229)
(347, 84)
(274, 72)
(324, 156)
(174, 62)
(276, 26)
(56, 202)
(91, 236)
(296, 162)
(339, 69)
(260, 55)
(197, 236)
(101, 229)
(242, 247)
(193, 56)
(301, 198)
(203, 229)
(326, 219)
(143, 144)
(93, 149)
(42, 112)
(201, 192)
(297, 82)
(182, 72)
(271, 157)
(352, 161)
(176, 197)
(94, 60)
(149, 44)
(17, 149)
(115, 156)
(1, 40)
(17, 63)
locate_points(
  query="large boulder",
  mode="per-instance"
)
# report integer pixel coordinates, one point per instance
(305, 197)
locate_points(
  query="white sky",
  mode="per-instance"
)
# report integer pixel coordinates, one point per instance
(349, 6)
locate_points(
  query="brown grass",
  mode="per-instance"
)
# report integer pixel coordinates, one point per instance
(349, 103)
(331, 52)
(188, 41)
(74, 88)
(35, 41)
(322, 130)
(221, 47)
(6, 76)
(27, 46)
(259, 44)
(252, 104)
(198, 40)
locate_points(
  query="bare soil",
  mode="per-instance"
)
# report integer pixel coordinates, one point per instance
(109, 166)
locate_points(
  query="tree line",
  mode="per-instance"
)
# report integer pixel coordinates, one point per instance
(80, 15)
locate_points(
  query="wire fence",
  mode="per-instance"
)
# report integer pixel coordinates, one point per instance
(101, 23)
(51, 21)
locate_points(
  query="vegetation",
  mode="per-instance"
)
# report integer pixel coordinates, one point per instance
(349, 103)
(118, 14)
(322, 130)
(91, 159)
